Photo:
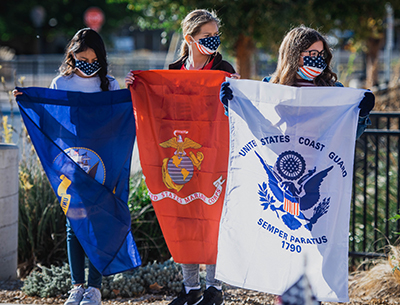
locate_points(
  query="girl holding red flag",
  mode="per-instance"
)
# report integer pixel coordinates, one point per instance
(201, 40)
(199, 52)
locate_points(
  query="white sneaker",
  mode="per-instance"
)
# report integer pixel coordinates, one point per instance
(75, 296)
(92, 296)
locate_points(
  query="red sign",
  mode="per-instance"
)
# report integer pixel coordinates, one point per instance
(94, 18)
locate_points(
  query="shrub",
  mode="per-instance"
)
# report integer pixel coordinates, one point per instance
(145, 227)
(41, 225)
(42, 234)
(55, 281)
(50, 282)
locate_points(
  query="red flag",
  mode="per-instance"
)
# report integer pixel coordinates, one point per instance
(183, 140)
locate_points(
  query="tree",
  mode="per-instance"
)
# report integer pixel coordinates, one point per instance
(367, 19)
(246, 24)
(262, 23)
(61, 21)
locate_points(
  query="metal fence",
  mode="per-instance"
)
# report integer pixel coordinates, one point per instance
(376, 187)
(376, 183)
(39, 70)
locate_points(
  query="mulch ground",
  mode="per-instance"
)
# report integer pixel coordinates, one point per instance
(10, 292)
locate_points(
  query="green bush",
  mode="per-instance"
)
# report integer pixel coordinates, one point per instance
(42, 232)
(50, 282)
(166, 277)
(377, 180)
(41, 224)
(55, 281)
(145, 227)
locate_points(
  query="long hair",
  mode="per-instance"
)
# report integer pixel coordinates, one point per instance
(192, 24)
(82, 40)
(296, 41)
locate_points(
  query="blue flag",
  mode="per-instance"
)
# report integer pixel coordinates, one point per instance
(84, 142)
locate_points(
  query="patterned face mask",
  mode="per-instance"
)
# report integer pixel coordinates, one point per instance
(208, 45)
(86, 68)
(312, 67)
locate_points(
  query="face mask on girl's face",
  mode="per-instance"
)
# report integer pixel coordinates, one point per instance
(87, 68)
(208, 45)
(312, 67)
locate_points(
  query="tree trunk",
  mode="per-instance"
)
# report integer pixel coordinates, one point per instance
(244, 56)
(374, 45)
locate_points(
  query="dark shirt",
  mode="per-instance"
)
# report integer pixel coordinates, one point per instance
(217, 64)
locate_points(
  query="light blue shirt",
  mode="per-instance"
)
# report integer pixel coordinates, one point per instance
(74, 82)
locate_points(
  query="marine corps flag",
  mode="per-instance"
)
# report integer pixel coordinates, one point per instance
(84, 142)
(183, 139)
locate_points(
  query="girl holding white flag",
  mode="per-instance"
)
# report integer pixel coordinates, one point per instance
(304, 60)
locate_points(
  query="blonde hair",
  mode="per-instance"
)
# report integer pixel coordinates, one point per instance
(296, 41)
(192, 24)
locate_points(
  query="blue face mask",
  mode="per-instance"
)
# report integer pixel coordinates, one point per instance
(208, 45)
(86, 68)
(312, 67)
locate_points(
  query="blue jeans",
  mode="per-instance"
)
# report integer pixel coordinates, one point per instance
(76, 257)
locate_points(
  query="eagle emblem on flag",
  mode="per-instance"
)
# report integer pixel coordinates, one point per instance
(178, 170)
(289, 202)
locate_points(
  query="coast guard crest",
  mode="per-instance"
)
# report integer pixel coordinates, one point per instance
(291, 193)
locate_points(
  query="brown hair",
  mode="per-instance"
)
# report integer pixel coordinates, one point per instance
(296, 41)
(82, 40)
(192, 24)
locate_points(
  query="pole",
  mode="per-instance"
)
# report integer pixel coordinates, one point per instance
(389, 40)
(8, 211)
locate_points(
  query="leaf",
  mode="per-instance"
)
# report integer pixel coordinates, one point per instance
(155, 286)
(395, 217)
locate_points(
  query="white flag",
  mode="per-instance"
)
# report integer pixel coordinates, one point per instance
(289, 188)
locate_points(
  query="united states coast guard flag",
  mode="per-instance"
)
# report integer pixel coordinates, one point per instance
(289, 188)
(84, 142)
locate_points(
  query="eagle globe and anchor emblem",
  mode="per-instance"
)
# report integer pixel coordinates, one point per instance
(178, 170)
(293, 203)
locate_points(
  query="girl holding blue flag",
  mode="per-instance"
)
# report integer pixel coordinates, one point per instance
(84, 69)
(85, 65)
(304, 60)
